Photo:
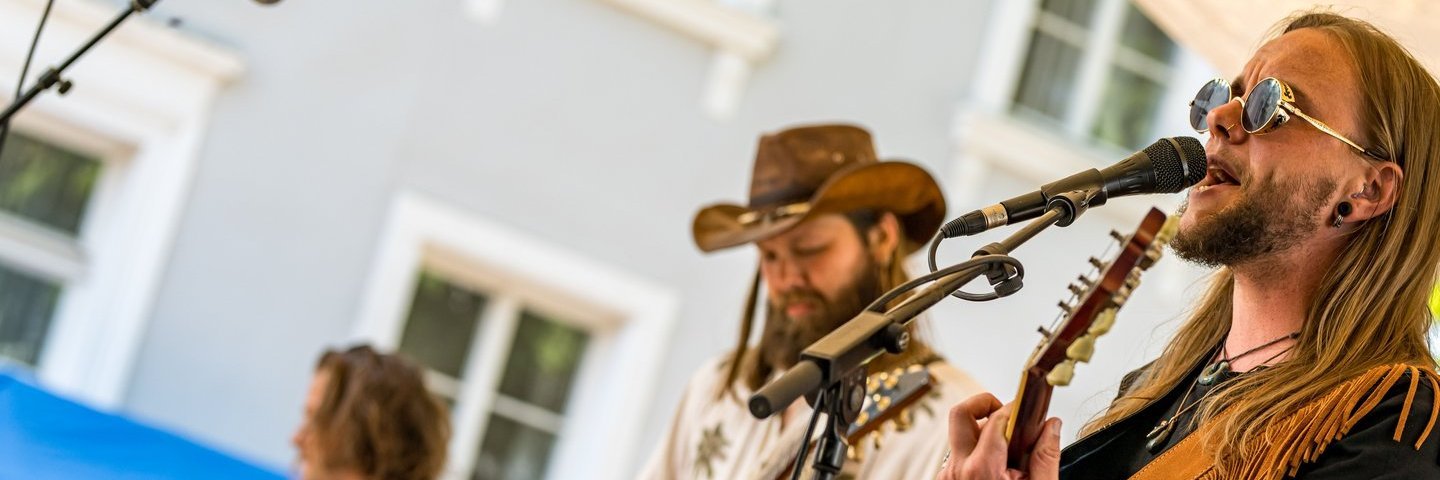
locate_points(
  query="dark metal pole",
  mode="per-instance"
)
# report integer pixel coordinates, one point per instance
(52, 76)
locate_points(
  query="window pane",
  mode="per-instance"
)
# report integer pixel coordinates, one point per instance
(543, 362)
(1128, 110)
(1076, 11)
(442, 323)
(1047, 83)
(46, 183)
(1143, 36)
(513, 451)
(26, 305)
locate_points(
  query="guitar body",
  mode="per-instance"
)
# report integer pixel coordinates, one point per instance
(1088, 317)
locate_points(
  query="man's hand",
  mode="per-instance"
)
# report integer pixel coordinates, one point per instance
(977, 444)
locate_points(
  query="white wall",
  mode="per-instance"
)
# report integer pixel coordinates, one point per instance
(568, 120)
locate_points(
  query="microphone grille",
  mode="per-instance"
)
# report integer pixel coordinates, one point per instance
(1179, 162)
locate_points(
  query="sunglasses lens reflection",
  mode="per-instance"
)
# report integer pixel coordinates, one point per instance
(1211, 96)
(1261, 104)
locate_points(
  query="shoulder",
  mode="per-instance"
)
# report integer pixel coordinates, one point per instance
(708, 378)
(1407, 407)
(1129, 380)
(954, 384)
(1393, 434)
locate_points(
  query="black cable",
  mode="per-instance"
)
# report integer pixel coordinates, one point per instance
(971, 297)
(805, 441)
(983, 262)
(25, 71)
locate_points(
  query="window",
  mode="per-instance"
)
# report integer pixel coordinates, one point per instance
(1095, 69)
(528, 406)
(45, 190)
(521, 337)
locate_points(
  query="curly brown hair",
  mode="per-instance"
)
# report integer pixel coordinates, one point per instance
(377, 418)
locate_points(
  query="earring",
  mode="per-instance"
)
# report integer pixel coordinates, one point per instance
(1341, 210)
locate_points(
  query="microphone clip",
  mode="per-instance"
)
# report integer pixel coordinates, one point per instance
(1072, 204)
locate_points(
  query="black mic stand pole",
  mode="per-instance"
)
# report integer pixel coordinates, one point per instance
(831, 372)
(51, 77)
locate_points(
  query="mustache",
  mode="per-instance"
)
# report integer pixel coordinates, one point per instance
(784, 299)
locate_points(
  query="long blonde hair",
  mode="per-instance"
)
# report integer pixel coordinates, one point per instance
(1371, 306)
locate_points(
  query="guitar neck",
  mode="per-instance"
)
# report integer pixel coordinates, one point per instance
(1027, 417)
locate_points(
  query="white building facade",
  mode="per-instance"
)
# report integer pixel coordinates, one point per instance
(503, 190)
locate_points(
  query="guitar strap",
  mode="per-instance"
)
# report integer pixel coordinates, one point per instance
(1184, 461)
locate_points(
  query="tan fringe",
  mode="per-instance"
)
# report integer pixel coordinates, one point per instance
(1302, 437)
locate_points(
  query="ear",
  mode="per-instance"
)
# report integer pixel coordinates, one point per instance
(884, 238)
(1380, 192)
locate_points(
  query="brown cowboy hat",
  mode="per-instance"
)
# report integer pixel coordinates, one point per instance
(811, 170)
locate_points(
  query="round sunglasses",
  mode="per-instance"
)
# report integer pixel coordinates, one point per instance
(1267, 107)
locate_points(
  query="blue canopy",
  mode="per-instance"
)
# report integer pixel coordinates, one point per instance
(45, 437)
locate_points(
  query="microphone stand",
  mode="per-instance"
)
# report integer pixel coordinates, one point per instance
(51, 77)
(831, 372)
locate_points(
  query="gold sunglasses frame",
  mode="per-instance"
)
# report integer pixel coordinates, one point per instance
(1285, 103)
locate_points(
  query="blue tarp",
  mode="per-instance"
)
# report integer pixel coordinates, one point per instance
(45, 437)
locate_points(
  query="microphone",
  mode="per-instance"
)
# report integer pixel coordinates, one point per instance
(1167, 166)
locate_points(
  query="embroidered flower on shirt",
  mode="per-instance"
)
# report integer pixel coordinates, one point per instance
(712, 447)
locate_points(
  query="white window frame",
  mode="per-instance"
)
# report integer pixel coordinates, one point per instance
(987, 136)
(741, 36)
(630, 321)
(141, 103)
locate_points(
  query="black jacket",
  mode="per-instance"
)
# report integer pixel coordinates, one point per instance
(1368, 451)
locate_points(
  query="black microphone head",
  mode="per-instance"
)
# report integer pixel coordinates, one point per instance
(1179, 162)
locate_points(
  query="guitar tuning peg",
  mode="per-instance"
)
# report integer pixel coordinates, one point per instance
(1133, 280)
(1086, 281)
(1103, 322)
(1082, 349)
(1119, 237)
(876, 440)
(1044, 332)
(1167, 231)
(855, 455)
(1099, 265)
(1151, 256)
(1060, 376)
(1076, 289)
(1065, 307)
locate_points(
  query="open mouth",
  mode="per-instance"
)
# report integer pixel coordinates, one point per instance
(1217, 175)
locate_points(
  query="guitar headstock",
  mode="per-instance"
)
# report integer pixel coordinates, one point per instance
(1088, 314)
(888, 398)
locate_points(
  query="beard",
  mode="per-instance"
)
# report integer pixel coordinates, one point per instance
(1267, 218)
(784, 337)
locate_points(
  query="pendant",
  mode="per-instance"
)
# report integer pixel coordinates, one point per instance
(1159, 436)
(1213, 372)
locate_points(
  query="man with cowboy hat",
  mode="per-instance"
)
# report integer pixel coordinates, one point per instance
(833, 226)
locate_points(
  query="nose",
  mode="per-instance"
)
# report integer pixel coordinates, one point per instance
(785, 274)
(298, 439)
(1225, 122)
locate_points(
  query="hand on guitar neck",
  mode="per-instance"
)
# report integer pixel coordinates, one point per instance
(991, 441)
(978, 445)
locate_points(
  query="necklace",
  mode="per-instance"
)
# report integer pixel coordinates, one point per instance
(1214, 371)
(1159, 436)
